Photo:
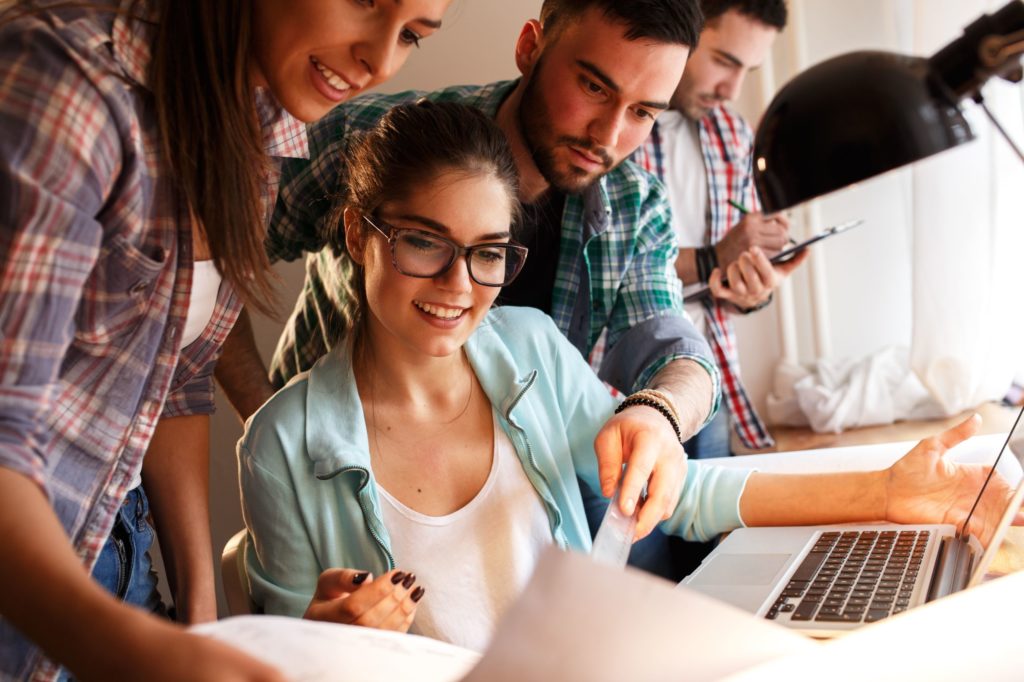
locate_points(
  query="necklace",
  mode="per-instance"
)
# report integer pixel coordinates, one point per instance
(442, 424)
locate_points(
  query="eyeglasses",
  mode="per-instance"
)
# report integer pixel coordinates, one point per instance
(416, 253)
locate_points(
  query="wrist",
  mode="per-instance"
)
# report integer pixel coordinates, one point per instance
(657, 401)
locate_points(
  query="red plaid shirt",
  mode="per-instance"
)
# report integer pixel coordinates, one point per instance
(726, 144)
(95, 273)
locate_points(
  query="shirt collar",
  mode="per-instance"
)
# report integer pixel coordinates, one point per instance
(283, 135)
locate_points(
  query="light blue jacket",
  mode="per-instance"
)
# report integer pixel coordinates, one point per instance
(310, 501)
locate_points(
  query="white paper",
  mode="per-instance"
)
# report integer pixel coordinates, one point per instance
(308, 651)
(580, 620)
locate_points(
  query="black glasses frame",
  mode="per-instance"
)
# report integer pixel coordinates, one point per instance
(393, 233)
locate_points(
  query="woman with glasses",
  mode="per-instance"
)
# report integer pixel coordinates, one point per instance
(428, 459)
(140, 149)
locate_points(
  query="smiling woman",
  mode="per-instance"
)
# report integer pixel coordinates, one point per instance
(140, 139)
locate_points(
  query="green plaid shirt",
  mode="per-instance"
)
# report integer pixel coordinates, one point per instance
(616, 263)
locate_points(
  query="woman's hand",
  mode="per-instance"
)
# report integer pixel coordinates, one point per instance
(357, 598)
(925, 487)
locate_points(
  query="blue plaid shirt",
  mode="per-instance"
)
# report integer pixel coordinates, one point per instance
(615, 269)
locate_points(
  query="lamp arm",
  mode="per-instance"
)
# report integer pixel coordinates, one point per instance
(1000, 128)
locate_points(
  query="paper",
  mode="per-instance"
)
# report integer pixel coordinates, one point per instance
(580, 620)
(614, 538)
(308, 651)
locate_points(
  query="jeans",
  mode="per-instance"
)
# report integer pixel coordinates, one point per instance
(124, 567)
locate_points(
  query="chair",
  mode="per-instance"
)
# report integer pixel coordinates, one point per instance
(233, 578)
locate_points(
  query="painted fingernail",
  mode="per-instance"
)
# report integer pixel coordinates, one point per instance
(418, 593)
(397, 578)
(360, 578)
(409, 580)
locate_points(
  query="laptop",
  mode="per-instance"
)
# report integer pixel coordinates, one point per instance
(826, 580)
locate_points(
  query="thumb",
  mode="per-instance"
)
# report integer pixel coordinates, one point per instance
(337, 582)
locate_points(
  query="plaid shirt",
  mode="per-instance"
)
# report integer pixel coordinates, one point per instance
(727, 145)
(95, 272)
(615, 269)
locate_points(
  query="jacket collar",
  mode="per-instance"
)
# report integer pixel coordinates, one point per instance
(336, 436)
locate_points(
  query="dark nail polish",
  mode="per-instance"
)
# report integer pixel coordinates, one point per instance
(360, 578)
(409, 580)
(418, 593)
(397, 578)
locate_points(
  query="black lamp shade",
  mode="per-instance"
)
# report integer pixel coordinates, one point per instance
(848, 119)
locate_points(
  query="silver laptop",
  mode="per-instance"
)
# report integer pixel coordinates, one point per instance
(826, 580)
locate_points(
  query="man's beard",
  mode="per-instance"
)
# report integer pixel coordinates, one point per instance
(534, 118)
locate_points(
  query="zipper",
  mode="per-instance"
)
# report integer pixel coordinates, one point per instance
(523, 443)
(367, 513)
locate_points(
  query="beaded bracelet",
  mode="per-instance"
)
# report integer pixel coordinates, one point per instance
(655, 394)
(657, 405)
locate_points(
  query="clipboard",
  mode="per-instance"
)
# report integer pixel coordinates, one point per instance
(783, 256)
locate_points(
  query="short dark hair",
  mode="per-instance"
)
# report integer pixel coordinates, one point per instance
(674, 22)
(770, 12)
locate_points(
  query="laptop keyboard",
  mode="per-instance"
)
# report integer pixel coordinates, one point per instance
(854, 576)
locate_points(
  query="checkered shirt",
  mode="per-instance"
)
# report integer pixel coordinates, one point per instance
(95, 273)
(615, 268)
(727, 146)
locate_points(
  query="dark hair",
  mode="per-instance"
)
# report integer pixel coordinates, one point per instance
(675, 22)
(210, 135)
(769, 12)
(410, 146)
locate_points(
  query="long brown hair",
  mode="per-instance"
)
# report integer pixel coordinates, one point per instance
(210, 135)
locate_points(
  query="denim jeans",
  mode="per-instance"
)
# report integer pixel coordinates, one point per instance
(124, 567)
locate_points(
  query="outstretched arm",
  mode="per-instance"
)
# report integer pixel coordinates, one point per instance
(240, 370)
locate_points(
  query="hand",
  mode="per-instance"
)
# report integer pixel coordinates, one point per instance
(925, 487)
(752, 278)
(770, 233)
(355, 597)
(643, 439)
(187, 656)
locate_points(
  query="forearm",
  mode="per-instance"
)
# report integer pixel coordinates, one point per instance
(48, 595)
(690, 388)
(813, 499)
(176, 478)
(240, 370)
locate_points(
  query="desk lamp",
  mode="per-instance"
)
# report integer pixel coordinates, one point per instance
(863, 113)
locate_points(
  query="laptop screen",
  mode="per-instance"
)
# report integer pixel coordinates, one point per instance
(1015, 444)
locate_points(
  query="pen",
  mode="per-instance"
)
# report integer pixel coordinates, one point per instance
(744, 210)
(739, 207)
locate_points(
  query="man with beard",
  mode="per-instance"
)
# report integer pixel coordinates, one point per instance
(703, 152)
(596, 73)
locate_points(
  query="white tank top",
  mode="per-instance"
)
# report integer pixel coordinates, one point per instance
(202, 301)
(475, 561)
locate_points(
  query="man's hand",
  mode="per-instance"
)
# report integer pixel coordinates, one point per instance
(752, 278)
(643, 439)
(355, 597)
(769, 233)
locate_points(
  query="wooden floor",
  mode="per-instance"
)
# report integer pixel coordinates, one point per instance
(996, 418)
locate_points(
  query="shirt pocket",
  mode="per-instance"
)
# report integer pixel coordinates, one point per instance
(118, 292)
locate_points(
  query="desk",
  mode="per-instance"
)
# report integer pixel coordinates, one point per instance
(995, 418)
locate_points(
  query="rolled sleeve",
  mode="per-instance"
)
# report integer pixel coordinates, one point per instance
(59, 155)
(710, 503)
